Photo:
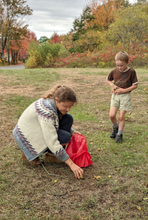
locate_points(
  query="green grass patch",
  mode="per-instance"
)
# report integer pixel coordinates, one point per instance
(83, 113)
(38, 77)
(18, 104)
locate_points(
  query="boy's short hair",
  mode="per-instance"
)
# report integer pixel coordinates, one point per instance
(123, 56)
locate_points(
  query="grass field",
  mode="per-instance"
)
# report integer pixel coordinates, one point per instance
(116, 185)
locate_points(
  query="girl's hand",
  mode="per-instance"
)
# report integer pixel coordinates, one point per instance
(78, 172)
(75, 132)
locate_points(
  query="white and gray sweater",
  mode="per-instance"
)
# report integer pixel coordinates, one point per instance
(36, 130)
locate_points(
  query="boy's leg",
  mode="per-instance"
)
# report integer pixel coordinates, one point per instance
(121, 119)
(119, 135)
(112, 115)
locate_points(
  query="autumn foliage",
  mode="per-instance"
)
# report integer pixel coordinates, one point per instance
(103, 11)
(19, 49)
(104, 28)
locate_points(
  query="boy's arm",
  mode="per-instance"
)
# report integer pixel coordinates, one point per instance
(112, 85)
(129, 89)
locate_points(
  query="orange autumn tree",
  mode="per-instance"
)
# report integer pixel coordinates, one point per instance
(55, 38)
(66, 40)
(103, 11)
(18, 48)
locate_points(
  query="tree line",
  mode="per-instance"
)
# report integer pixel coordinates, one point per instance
(104, 27)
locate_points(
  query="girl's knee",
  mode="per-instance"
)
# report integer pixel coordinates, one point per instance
(64, 136)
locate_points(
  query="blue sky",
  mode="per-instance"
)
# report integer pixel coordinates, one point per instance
(51, 16)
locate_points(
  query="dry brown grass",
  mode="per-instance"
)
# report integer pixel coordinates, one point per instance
(121, 192)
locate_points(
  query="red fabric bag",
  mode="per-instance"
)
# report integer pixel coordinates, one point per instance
(77, 151)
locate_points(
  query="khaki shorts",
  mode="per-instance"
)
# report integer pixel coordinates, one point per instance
(122, 101)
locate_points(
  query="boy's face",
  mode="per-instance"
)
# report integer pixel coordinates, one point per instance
(121, 65)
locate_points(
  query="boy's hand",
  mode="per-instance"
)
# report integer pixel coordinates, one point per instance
(119, 91)
(114, 89)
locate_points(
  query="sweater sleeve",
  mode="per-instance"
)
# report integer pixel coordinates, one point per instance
(51, 139)
(71, 130)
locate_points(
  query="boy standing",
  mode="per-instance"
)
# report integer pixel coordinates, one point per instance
(122, 80)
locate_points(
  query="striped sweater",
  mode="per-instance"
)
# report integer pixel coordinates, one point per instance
(36, 130)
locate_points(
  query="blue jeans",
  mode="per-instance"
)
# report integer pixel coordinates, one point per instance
(65, 125)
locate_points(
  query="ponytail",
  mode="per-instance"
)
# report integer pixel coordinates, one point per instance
(50, 95)
(63, 93)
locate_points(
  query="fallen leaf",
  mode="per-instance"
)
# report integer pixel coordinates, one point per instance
(97, 177)
(139, 208)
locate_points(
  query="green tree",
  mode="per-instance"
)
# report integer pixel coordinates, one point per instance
(90, 41)
(43, 39)
(131, 26)
(80, 24)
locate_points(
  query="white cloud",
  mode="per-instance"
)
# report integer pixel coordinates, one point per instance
(51, 16)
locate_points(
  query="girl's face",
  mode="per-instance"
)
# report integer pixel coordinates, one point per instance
(121, 65)
(63, 107)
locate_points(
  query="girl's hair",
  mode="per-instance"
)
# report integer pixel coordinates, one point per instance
(63, 93)
(123, 56)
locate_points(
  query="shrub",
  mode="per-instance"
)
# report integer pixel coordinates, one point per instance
(63, 52)
(48, 61)
(83, 60)
(31, 63)
(43, 55)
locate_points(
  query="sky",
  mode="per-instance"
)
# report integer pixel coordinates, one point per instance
(51, 16)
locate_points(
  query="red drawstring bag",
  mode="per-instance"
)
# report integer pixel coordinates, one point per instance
(77, 151)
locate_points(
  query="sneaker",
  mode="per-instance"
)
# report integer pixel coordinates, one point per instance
(36, 161)
(118, 138)
(114, 132)
(49, 158)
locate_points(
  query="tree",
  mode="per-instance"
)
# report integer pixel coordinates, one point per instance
(55, 39)
(90, 41)
(43, 39)
(21, 50)
(66, 40)
(80, 24)
(12, 27)
(131, 26)
(103, 11)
